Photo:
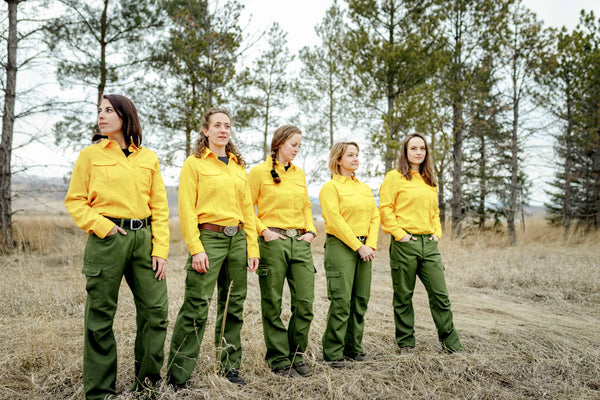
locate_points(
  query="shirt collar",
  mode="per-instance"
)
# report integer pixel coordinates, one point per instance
(209, 153)
(344, 179)
(280, 164)
(106, 142)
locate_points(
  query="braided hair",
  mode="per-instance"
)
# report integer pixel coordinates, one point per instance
(281, 135)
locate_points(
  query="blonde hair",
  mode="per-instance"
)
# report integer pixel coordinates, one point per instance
(202, 142)
(336, 154)
(426, 168)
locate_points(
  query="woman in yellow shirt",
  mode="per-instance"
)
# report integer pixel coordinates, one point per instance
(352, 227)
(118, 197)
(286, 227)
(408, 204)
(218, 225)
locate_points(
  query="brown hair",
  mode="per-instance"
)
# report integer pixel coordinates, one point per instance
(125, 109)
(426, 169)
(336, 154)
(202, 141)
(281, 135)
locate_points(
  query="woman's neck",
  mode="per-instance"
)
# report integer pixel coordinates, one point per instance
(284, 162)
(346, 173)
(218, 150)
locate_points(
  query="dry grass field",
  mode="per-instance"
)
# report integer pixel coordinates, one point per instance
(528, 316)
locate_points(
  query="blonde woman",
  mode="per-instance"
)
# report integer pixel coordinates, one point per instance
(286, 229)
(409, 211)
(352, 227)
(218, 225)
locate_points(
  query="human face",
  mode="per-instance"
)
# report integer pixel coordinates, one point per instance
(289, 149)
(109, 122)
(349, 161)
(218, 133)
(416, 152)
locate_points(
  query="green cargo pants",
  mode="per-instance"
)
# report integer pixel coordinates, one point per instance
(105, 263)
(420, 257)
(228, 262)
(348, 290)
(292, 259)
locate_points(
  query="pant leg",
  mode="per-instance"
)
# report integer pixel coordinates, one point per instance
(271, 273)
(431, 274)
(340, 265)
(404, 262)
(192, 317)
(301, 280)
(150, 297)
(104, 262)
(232, 283)
(361, 292)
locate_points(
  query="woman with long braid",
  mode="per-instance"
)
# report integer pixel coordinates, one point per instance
(286, 230)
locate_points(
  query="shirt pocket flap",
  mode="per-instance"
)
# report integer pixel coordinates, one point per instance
(104, 163)
(147, 166)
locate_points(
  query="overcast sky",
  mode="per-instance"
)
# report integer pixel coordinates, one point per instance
(299, 18)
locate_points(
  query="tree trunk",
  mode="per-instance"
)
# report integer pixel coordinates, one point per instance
(103, 26)
(441, 202)
(567, 212)
(482, 182)
(596, 169)
(456, 203)
(8, 121)
(514, 167)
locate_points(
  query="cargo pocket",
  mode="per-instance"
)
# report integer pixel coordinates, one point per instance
(335, 285)
(263, 273)
(93, 285)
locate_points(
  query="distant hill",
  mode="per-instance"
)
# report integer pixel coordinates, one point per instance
(39, 195)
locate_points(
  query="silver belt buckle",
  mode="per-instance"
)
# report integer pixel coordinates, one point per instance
(291, 233)
(230, 230)
(137, 221)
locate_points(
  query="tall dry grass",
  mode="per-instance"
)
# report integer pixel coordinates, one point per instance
(528, 317)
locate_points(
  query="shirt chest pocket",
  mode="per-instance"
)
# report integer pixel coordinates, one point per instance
(210, 182)
(104, 171)
(146, 172)
(241, 182)
(298, 191)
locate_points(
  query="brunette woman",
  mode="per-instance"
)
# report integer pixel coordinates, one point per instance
(409, 211)
(352, 227)
(286, 227)
(218, 225)
(118, 197)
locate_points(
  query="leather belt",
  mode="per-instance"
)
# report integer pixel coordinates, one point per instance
(133, 224)
(229, 230)
(361, 238)
(291, 233)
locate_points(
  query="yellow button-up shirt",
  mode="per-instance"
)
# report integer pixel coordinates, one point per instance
(106, 183)
(408, 206)
(281, 205)
(211, 191)
(349, 210)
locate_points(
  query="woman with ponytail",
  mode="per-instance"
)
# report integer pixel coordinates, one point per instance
(286, 230)
(218, 225)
